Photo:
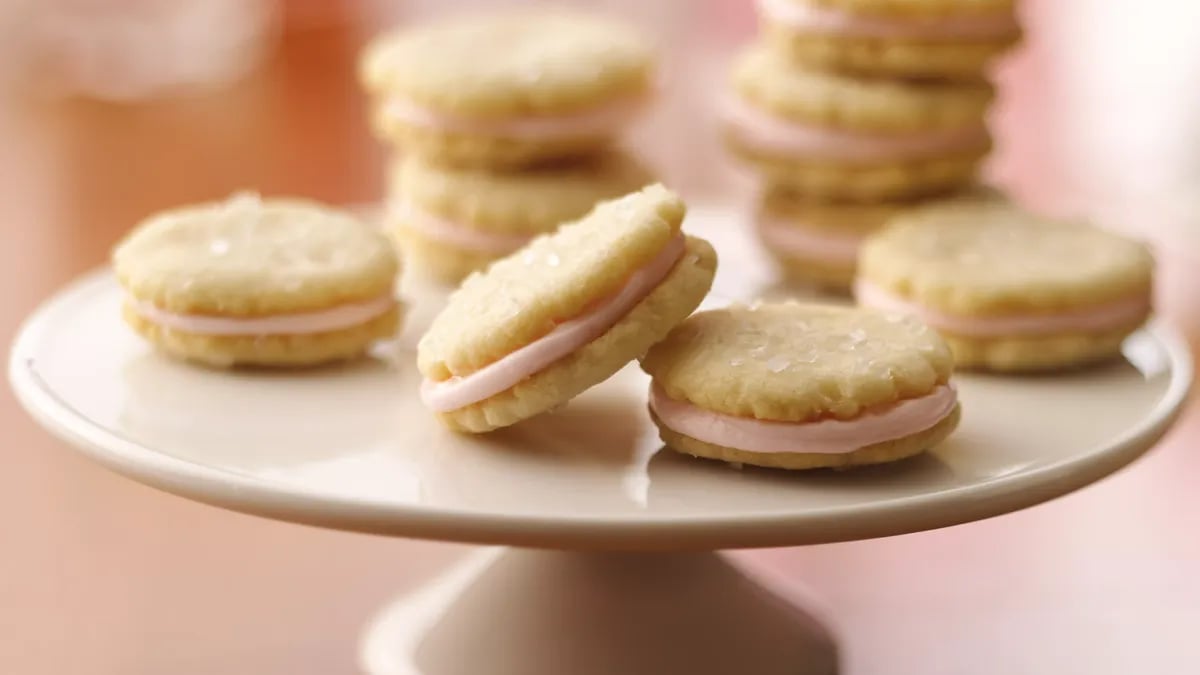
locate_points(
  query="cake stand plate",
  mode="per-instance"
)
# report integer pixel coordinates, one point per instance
(352, 448)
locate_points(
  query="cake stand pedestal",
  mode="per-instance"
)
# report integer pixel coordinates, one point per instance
(510, 611)
(611, 573)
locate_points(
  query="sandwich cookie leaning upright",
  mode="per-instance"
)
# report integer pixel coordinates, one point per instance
(453, 221)
(1010, 291)
(832, 137)
(893, 38)
(274, 282)
(510, 88)
(564, 313)
(797, 386)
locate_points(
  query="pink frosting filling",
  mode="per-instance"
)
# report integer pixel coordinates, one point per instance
(602, 120)
(503, 374)
(812, 243)
(334, 318)
(804, 16)
(1111, 315)
(775, 135)
(826, 436)
(456, 234)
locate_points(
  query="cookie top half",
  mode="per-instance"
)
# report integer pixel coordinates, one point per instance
(993, 258)
(859, 218)
(846, 218)
(527, 201)
(769, 80)
(794, 362)
(918, 7)
(515, 62)
(554, 278)
(246, 256)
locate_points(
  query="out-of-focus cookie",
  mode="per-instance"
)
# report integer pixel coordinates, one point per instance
(798, 386)
(934, 39)
(1010, 291)
(508, 89)
(563, 313)
(832, 137)
(246, 281)
(817, 242)
(453, 221)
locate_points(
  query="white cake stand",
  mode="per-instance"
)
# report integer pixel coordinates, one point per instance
(616, 573)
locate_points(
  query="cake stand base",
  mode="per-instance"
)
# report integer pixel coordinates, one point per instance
(527, 612)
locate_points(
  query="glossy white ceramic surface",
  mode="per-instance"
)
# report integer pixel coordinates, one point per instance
(522, 612)
(352, 447)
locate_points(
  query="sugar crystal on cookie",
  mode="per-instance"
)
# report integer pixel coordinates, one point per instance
(778, 364)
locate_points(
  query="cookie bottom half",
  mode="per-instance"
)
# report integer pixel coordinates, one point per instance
(437, 260)
(878, 453)
(474, 150)
(829, 276)
(645, 325)
(907, 179)
(272, 351)
(1037, 353)
(890, 57)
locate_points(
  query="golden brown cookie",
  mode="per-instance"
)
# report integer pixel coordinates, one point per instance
(801, 386)
(833, 137)
(1009, 290)
(817, 241)
(915, 40)
(453, 221)
(564, 313)
(508, 88)
(258, 282)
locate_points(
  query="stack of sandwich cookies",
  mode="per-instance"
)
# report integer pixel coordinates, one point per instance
(854, 111)
(801, 386)
(563, 313)
(260, 283)
(817, 242)
(827, 136)
(507, 123)
(509, 89)
(893, 38)
(1007, 290)
(453, 221)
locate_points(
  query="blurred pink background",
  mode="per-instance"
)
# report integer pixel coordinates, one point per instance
(1098, 116)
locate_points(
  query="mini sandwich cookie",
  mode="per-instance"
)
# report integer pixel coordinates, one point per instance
(893, 38)
(452, 222)
(798, 386)
(263, 283)
(818, 241)
(832, 137)
(508, 89)
(564, 313)
(1007, 290)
